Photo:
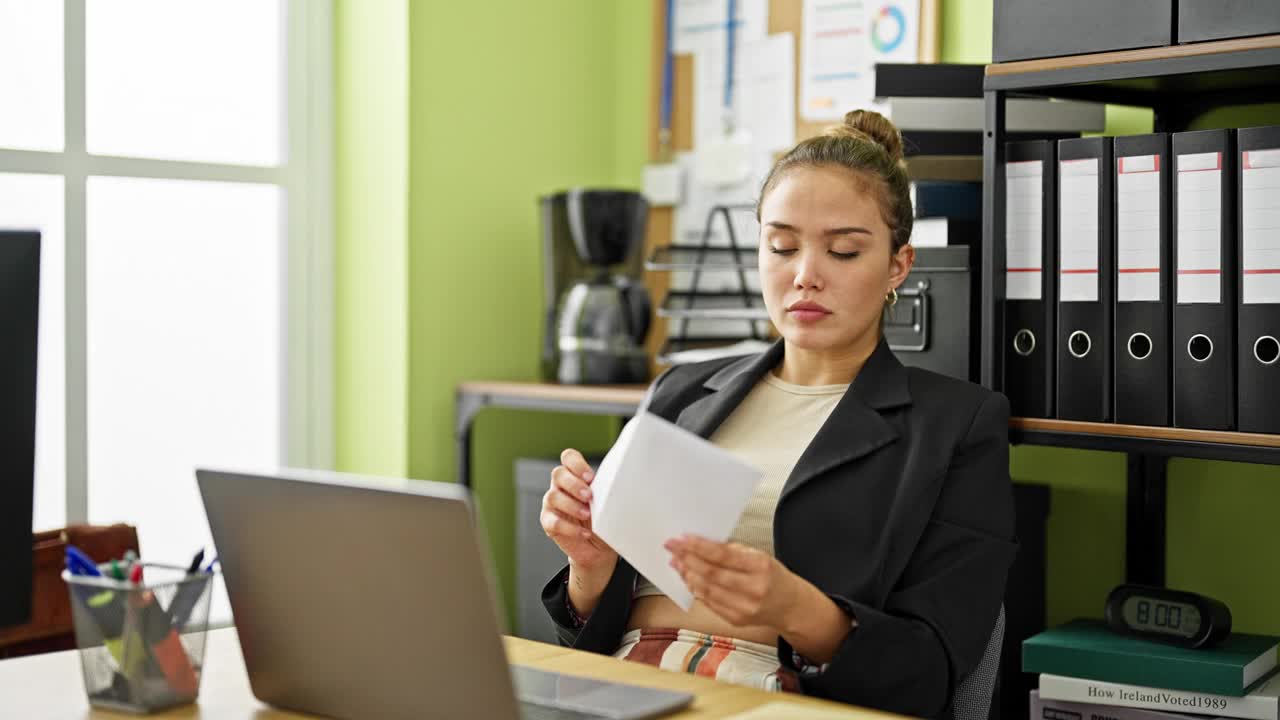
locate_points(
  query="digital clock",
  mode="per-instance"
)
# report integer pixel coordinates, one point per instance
(1170, 616)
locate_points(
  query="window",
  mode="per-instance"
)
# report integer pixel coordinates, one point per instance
(216, 97)
(175, 157)
(31, 55)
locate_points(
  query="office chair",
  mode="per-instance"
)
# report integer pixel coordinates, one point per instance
(972, 699)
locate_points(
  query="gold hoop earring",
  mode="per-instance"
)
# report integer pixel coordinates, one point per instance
(891, 297)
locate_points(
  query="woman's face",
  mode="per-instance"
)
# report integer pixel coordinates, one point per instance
(825, 259)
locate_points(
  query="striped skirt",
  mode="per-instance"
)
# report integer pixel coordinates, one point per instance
(740, 662)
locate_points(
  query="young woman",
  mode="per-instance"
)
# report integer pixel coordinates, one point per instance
(870, 565)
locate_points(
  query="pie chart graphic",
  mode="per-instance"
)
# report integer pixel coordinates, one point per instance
(888, 29)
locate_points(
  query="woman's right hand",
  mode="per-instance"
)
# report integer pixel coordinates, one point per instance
(566, 516)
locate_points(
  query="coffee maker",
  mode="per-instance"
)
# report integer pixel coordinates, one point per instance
(597, 311)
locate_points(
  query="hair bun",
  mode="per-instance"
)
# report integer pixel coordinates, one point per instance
(872, 127)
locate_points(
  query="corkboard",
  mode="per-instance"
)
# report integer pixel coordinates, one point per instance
(784, 16)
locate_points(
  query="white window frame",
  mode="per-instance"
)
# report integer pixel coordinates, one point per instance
(307, 178)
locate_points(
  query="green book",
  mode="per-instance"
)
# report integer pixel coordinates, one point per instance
(1090, 650)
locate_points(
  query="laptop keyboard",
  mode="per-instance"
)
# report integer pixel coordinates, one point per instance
(545, 695)
(530, 711)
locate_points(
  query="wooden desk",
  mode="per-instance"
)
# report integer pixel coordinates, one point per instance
(50, 686)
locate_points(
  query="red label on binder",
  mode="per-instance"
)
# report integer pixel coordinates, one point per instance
(1138, 164)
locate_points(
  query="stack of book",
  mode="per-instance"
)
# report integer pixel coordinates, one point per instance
(939, 109)
(947, 212)
(1088, 671)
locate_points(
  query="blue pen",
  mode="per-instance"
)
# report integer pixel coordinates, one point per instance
(104, 606)
(79, 563)
(209, 568)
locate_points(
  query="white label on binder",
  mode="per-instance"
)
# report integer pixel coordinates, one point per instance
(1199, 240)
(1023, 229)
(1138, 228)
(1078, 230)
(1260, 226)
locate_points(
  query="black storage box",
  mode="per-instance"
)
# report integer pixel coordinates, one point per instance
(1027, 29)
(934, 323)
(1221, 19)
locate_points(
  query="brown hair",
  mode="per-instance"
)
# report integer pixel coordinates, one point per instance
(868, 145)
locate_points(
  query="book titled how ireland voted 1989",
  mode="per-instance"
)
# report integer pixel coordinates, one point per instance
(1261, 704)
(1042, 709)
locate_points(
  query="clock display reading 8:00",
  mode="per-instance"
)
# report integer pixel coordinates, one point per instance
(1173, 618)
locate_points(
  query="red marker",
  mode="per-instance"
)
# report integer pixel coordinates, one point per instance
(166, 647)
(135, 575)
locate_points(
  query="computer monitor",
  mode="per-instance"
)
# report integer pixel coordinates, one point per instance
(19, 301)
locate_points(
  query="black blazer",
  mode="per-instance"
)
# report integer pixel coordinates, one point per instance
(900, 509)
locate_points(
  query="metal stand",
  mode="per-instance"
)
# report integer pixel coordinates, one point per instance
(1145, 519)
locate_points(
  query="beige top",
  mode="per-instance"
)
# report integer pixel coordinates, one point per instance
(771, 430)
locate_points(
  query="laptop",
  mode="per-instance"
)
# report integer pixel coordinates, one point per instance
(363, 598)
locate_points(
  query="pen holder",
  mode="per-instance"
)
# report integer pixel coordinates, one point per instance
(141, 645)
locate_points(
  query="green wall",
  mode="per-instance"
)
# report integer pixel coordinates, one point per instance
(1221, 531)
(371, 123)
(438, 277)
(632, 39)
(452, 118)
(547, 101)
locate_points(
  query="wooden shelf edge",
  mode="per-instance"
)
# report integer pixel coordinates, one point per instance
(553, 391)
(1144, 432)
(1169, 52)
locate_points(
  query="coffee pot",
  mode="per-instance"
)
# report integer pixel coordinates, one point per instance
(601, 314)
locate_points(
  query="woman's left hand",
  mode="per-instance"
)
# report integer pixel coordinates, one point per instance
(740, 584)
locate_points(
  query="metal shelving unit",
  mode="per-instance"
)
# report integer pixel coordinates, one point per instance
(1178, 83)
(1155, 441)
